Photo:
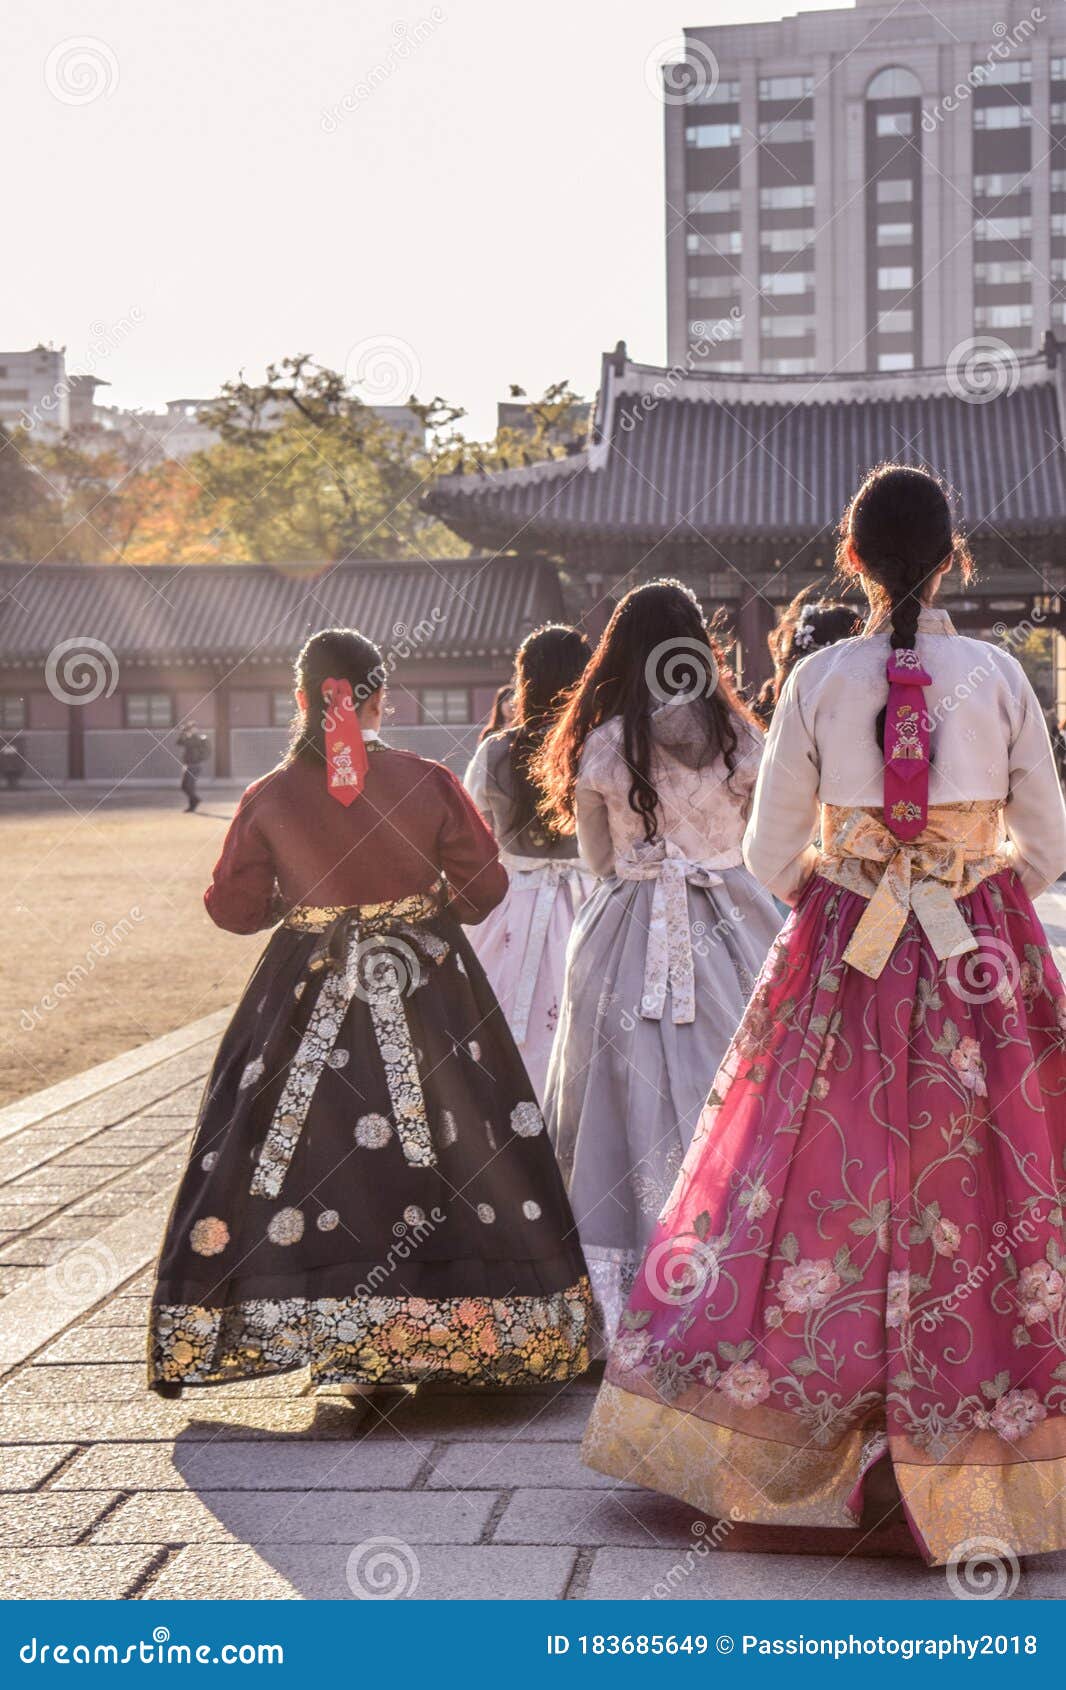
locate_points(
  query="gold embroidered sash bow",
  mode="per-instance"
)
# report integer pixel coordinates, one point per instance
(550, 875)
(960, 846)
(376, 952)
(668, 960)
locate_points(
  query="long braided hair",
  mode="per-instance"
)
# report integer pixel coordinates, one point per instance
(897, 535)
(340, 652)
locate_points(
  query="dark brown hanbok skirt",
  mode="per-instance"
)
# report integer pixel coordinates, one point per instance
(370, 1190)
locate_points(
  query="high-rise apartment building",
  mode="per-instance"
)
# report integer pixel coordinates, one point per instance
(868, 188)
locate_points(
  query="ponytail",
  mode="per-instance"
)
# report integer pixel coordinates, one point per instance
(897, 533)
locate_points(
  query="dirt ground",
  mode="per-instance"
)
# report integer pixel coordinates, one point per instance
(106, 940)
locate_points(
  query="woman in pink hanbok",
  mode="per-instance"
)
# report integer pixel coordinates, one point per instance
(863, 1258)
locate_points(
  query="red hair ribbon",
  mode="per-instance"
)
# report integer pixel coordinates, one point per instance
(346, 758)
(906, 745)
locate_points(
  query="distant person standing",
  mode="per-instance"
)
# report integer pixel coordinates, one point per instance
(193, 745)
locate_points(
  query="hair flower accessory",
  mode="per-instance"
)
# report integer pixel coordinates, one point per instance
(346, 758)
(907, 735)
(803, 637)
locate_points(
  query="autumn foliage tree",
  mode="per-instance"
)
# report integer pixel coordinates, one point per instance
(301, 471)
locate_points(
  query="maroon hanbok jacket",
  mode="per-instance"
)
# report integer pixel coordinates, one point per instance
(291, 843)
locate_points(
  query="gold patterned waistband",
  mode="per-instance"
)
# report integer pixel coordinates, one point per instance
(961, 845)
(315, 918)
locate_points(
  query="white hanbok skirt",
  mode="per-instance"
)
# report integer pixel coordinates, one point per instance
(522, 948)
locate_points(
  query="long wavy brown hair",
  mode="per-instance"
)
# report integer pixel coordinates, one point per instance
(547, 665)
(657, 645)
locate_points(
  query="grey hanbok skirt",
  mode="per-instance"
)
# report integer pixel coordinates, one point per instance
(624, 1092)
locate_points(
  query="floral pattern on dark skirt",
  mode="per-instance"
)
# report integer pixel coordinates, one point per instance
(370, 1190)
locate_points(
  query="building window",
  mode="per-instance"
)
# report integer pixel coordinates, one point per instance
(1005, 117)
(786, 240)
(892, 278)
(890, 192)
(1058, 311)
(722, 288)
(895, 123)
(1005, 71)
(1001, 185)
(895, 360)
(895, 234)
(1058, 69)
(444, 706)
(722, 94)
(894, 84)
(1058, 181)
(713, 135)
(1004, 228)
(1058, 224)
(282, 708)
(708, 202)
(787, 199)
(786, 87)
(789, 366)
(12, 712)
(1003, 316)
(719, 241)
(787, 129)
(786, 281)
(896, 322)
(787, 328)
(1004, 273)
(149, 710)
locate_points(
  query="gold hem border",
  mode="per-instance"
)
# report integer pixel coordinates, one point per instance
(728, 1474)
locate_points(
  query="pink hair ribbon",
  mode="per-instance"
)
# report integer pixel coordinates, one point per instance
(906, 801)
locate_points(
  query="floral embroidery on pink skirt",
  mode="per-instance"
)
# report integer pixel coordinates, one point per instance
(866, 1238)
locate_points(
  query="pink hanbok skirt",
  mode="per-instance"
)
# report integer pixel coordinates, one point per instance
(864, 1256)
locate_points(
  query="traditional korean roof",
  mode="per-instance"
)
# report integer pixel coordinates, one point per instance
(475, 607)
(703, 457)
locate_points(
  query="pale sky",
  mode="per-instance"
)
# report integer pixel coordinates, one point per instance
(489, 211)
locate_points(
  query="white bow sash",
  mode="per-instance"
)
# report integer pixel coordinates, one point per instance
(668, 961)
(551, 873)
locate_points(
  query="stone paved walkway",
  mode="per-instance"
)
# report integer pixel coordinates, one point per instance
(262, 1489)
